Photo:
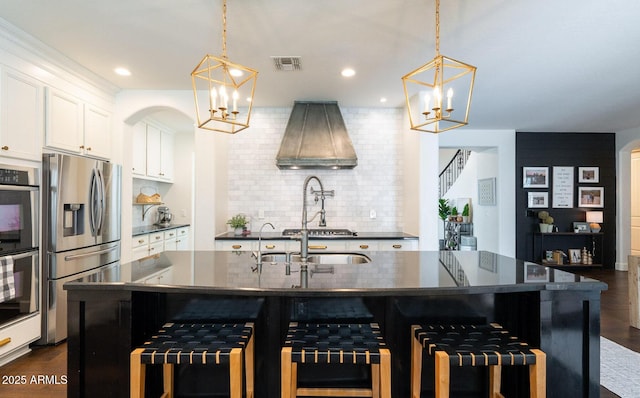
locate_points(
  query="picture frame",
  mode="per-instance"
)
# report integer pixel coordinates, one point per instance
(588, 175)
(535, 273)
(487, 192)
(581, 227)
(591, 197)
(575, 256)
(538, 200)
(535, 177)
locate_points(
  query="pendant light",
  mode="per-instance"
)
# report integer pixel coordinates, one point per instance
(220, 87)
(438, 94)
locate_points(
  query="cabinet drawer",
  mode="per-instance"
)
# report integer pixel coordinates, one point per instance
(235, 245)
(139, 252)
(400, 244)
(156, 237)
(18, 336)
(362, 245)
(140, 240)
(156, 247)
(170, 234)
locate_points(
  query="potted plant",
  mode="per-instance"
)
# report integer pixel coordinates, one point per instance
(465, 213)
(454, 214)
(238, 223)
(546, 221)
(443, 212)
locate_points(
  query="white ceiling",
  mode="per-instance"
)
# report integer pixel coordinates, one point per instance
(543, 65)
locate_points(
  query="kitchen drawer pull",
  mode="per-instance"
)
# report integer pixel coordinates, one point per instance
(317, 247)
(364, 246)
(5, 148)
(5, 341)
(397, 246)
(158, 237)
(270, 246)
(171, 234)
(236, 247)
(140, 240)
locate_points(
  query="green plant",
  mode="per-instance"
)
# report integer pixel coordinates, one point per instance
(238, 221)
(443, 208)
(465, 210)
(454, 211)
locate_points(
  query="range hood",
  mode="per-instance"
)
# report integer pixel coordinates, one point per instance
(316, 138)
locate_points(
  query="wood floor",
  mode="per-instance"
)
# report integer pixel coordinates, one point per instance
(52, 361)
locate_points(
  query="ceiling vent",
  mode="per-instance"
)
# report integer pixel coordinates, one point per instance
(287, 64)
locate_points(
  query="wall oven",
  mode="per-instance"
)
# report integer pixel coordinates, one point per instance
(19, 243)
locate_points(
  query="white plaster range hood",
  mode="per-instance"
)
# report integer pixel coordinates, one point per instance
(316, 138)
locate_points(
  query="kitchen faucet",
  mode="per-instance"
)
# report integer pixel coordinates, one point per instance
(259, 255)
(304, 231)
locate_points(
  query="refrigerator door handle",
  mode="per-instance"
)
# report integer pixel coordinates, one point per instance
(97, 202)
(85, 255)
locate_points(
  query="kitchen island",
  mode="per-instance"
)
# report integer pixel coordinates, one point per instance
(555, 310)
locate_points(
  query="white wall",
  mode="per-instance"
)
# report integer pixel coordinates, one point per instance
(626, 142)
(504, 142)
(257, 186)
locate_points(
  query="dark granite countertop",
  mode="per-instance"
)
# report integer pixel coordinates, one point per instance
(278, 235)
(148, 229)
(412, 272)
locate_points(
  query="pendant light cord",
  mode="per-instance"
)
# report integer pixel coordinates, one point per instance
(437, 27)
(224, 29)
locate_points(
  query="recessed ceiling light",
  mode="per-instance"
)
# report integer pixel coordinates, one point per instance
(122, 71)
(348, 72)
(235, 72)
(383, 100)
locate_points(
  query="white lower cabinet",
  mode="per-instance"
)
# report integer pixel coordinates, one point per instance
(158, 242)
(15, 338)
(159, 278)
(318, 245)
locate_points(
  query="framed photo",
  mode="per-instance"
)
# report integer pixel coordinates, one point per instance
(535, 273)
(487, 192)
(590, 196)
(575, 256)
(581, 227)
(535, 177)
(538, 200)
(589, 174)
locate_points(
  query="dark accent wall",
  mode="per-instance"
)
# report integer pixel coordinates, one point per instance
(566, 149)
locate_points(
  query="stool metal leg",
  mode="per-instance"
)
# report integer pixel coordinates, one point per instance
(137, 368)
(538, 375)
(442, 374)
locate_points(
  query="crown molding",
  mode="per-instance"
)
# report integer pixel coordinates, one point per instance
(24, 46)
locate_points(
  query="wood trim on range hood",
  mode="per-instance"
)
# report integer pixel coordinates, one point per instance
(316, 138)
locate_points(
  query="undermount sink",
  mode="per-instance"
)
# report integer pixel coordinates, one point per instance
(319, 258)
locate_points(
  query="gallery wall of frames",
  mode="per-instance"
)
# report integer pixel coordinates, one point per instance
(565, 175)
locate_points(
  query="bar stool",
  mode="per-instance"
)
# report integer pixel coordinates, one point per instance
(336, 344)
(474, 345)
(197, 343)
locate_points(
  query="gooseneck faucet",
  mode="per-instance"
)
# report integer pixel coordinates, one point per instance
(259, 255)
(304, 231)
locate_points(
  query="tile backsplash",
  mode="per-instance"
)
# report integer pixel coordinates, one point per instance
(258, 188)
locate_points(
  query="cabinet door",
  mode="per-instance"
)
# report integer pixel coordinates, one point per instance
(166, 155)
(139, 149)
(154, 166)
(97, 132)
(64, 114)
(182, 240)
(22, 116)
(139, 252)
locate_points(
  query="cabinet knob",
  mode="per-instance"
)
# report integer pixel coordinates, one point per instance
(81, 146)
(5, 148)
(88, 148)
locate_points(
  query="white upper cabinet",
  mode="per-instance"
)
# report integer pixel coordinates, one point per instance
(159, 154)
(139, 149)
(21, 115)
(75, 126)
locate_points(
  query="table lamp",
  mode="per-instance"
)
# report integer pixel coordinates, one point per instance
(594, 218)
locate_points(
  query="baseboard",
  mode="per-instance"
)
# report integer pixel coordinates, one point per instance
(622, 266)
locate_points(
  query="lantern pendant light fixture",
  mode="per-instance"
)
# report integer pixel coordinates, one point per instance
(219, 85)
(438, 94)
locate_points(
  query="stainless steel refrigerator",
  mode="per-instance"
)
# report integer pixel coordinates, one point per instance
(81, 230)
